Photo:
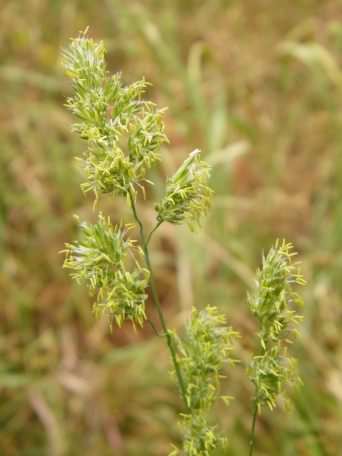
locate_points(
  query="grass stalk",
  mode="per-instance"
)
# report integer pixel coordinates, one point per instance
(252, 433)
(155, 298)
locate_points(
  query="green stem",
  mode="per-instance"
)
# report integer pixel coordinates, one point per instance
(252, 434)
(155, 298)
(152, 231)
(154, 328)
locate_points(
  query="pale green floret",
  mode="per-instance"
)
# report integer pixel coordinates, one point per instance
(106, 262)
(202, 354)
(124, 133)
(273, 303)
(188, 195)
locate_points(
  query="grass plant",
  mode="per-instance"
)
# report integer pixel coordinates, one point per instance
(124, 134)
(256, 87)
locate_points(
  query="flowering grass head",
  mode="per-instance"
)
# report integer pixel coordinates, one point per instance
(123, 132)
(274, 304)
(203, 352)
(188, 195)
(107, 262)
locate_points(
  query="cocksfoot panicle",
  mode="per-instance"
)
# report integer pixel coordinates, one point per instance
(274, 303)
(123, 135)
(203, 353)
(188, 195)
(124, 132)
(108, 264)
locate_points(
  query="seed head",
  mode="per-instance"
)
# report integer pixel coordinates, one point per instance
(123, 132)
(274, 303)
(108, 264)
(188, 195)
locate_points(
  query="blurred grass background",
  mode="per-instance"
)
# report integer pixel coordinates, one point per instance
(257, 86)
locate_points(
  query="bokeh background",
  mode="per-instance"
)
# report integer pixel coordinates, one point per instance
(257, 86)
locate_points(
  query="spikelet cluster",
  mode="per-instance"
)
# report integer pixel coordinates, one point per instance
(202, 354)
(108, 264)
(188, 195)
(274, 303)
(124, 133)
